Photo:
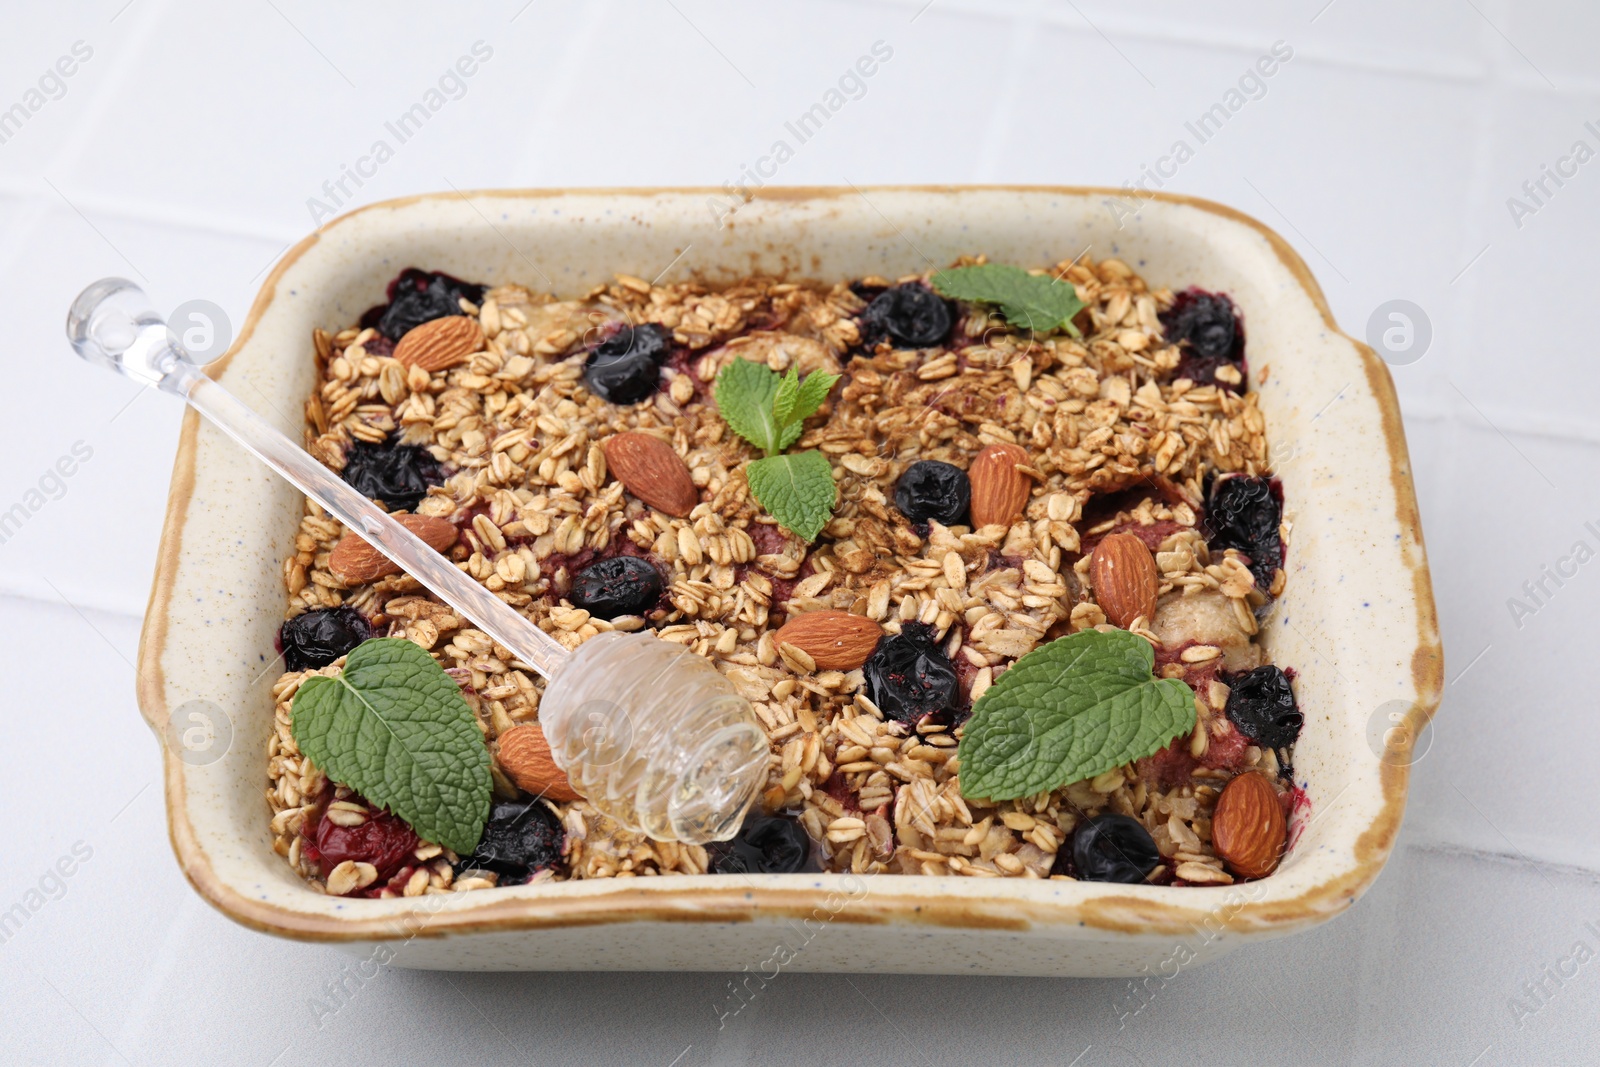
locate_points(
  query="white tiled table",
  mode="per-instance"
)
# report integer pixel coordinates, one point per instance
(183, 152)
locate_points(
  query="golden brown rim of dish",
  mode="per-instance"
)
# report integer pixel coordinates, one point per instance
(1132, 915)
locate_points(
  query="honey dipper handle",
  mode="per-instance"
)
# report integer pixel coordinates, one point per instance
(112, 324)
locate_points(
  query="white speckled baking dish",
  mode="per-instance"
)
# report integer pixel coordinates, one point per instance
(1356, 620)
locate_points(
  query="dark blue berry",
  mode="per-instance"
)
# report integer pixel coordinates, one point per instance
(1108, 848)
(621, 585)
(909, 676)
(1261, 704)
(397, 474)
(419, 296)
(910, 315)
(1243, 513)
(932, 490)
(765, 844)
(626, 367)
(1209, 332)
(521, 837)
(317, 638)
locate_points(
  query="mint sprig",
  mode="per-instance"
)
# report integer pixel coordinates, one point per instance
(770, 412)
(1070, 710)
(394, 727)
(744, 393)
(796, 490)
(1036, 302)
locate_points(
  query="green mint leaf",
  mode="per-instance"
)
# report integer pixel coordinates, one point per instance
(790, 433)
(808, 397)
(1070, 710)
(1036, 302)
(788, 391)
(394, 727)
(813, 391)
(770, 413)
(797, 490)
(744, 395)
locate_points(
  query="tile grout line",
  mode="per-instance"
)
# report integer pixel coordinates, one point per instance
(1523, 861)
(1021, 33)
(1029, 13)
(148, 214)
(158, 972)
(566, 79)
(1480, 67)
(77, 143)
(30, 599)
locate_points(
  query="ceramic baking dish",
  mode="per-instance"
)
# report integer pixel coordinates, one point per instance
(1356, 620)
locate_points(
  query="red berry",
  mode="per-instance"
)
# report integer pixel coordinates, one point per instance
(385, 841)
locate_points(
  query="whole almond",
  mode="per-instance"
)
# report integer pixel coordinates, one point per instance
(652, 470)
(1125, 578)
(354, 562)
(836, 640)
(525, 756)
(1248, 828)
(999, 490)
(440, 343)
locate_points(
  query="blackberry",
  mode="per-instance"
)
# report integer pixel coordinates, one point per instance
(521, 837)
(621, 585)
(908, 675)
(397, 474)
(766, 844)
(910, 315)
(1261, 704)
(419, 296)
(626, 367)
(317, 638)
(930, 489)
(1209, 332)
(1108, 848)
(1244, 513)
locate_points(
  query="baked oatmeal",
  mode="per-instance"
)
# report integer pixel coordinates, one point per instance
(1001, 482)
